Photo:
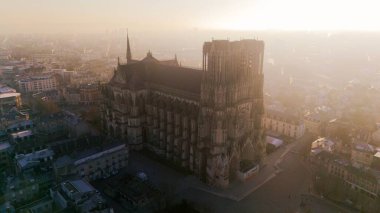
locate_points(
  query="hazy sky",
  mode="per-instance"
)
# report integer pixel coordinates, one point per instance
(23, 16)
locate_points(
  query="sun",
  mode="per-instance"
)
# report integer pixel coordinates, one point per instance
(303, 15)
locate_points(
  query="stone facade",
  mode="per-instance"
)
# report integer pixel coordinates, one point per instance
(41, 83)
(206, 121)
(366, 181)
(283, 124)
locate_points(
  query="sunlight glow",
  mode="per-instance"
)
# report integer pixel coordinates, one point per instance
(304, 15)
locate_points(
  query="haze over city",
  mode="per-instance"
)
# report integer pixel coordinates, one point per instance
(190, 106)
(89, 16)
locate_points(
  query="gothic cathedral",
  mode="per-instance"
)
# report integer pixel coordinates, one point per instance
(207, 121)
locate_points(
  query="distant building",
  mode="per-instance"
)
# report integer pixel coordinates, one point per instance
(43, 159)
(322, 144)
(43, 205)
(9, 98)
(83, 77)
(67, 75)
(22, 137)
(79, 196)
(13, 118)
(283, 123)
(25, 141)
(20, 125)
(40, 83)
(43, 57)
(48, 95)
(83, 94)
(90, 94)
(21, 189)
(273, 143)
(64, 75)
(54, 126)
(72, 95)
(353, 130)
(364, 180)
(8, 73)
(313, 124)
(362, 153)
(5, 149)
(92, 164)
(5, 54)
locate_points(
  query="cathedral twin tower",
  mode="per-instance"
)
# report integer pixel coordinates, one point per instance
(206, 121)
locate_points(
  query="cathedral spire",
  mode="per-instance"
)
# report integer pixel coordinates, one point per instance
(129, 53)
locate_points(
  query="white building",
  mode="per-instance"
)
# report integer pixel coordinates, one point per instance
(282, 123)
(93, 164)
(273, 143)
(8, 98)
(34, 159)
(322, 144)
(40, 83)
(20, 136)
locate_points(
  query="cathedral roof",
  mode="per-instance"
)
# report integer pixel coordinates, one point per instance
(149, 58)
(180, 78)
(150, 71)
(172, 62)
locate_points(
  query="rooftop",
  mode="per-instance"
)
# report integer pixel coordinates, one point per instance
(154, 73)
(14, 114)
(23, 160)
(286, 115)
(96, 153)
(6, 89)
(4, 146)
(8, 95)
(364, 147)
(274, 141)
(83, 195)
(21, 134)
(43, 76)
(21, 123)
(323, 141)
(87, 155)
(377, 155)
(313, 116)
(80, 186)
(367, 173)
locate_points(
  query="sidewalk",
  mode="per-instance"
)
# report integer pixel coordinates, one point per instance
(329, 202)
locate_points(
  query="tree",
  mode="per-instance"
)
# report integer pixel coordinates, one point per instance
(343, 134)
(46, 107)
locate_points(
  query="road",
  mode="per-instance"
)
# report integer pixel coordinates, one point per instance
(283, 193)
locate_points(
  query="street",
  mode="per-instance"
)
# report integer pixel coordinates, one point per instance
(282, 193)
